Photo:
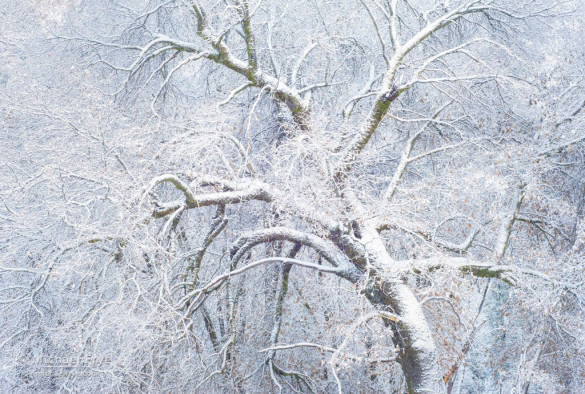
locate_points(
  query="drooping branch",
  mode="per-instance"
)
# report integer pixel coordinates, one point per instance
(331, 254)
(196, 295)
(341, 266)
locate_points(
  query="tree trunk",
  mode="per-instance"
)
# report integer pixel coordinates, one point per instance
(418, 353)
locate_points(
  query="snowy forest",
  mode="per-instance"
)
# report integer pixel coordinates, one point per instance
(304, 196)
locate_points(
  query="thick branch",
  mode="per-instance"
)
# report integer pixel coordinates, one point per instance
(390, 92)
(248, 35)
(259, 78)
(239, 192)
(222, 54)
(506, 273)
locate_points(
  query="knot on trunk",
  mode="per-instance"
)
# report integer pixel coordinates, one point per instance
(390, 95)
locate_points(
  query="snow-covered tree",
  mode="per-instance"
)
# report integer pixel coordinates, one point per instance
(316, 196)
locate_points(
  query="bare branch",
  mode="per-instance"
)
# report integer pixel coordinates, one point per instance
(406, 159)
(384, 54)
(508, 222)
(325, 349)
(506, 273)
(299, 63)
(365, 92)
(234, 92)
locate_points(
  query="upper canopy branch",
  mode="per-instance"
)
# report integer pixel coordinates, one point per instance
(406, 156)
(390, 91)
(220, 53)
(253, 73)
(248, 34)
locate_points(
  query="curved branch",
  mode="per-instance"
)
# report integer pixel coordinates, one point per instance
(199, 293)
(325, 349)
(329, 252)
(233, 93)
(299, 63)
(179, 184)
(450, 246)
(246, 191)
(365, 92)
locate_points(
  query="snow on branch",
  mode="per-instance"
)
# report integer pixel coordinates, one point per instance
(390, 91)
(193, 297)
(252, 190)
(507, 273)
